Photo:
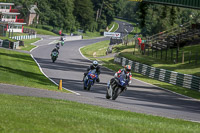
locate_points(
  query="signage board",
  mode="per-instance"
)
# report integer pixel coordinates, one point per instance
(112, 34)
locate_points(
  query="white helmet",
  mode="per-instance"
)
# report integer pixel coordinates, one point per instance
(95, 64)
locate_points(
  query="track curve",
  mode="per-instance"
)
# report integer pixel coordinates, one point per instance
(140, 97)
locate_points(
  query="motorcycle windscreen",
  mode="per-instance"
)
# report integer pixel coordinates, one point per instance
(122, 80)
(54, 53)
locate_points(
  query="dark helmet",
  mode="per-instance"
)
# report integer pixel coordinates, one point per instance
(95, 64)
(128, 68)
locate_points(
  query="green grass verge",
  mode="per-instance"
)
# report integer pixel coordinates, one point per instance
(95, 50)
(185, 68)
(109, 63)
(42, 31)
(21, 114)
(20, 69)
(116, 25)
(27, 44)
(90, 35)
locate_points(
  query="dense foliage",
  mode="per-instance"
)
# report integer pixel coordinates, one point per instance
(155, 18)
(71, 15)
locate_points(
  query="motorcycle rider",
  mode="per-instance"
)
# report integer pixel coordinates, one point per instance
(127, 71)
(55, 50)
(95, 65)
(58, 45)
(61, 39)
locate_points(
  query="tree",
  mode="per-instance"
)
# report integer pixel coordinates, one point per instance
(84, 14)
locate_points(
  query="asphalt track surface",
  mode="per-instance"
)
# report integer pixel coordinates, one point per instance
(140, 97)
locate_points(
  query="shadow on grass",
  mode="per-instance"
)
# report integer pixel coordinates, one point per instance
(18, 56)
(40, 78)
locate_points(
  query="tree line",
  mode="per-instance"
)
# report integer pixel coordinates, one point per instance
(71, 15)
(154, 18)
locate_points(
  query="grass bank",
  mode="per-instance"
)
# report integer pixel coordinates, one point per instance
(116, 25)
(27, 44)
(109, 63)
(30, 114)
(190, 52)
(42, 31)
(95, 50)
(20, 69)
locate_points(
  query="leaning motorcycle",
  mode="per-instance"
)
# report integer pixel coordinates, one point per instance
(54, 56)
(90, 79)
(116, 86)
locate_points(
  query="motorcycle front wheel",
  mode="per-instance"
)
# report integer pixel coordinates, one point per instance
(89, 85)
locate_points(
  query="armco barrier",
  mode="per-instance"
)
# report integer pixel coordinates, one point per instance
(24, 37)
(175, 78)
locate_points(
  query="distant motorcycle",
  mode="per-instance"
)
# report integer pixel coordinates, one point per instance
(58, 46)
(54, 56)
(90, 79)
(62, 43)
(116, 86)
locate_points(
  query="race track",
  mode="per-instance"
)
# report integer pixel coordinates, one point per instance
(140, 97)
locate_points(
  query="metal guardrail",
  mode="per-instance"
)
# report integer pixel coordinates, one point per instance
(175, 78)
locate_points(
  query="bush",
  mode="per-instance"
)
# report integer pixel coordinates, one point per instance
(39, 26)
(46, 27)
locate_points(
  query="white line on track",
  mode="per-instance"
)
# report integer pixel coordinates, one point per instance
(47, 76)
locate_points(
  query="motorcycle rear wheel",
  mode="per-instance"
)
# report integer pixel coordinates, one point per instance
(116, 93)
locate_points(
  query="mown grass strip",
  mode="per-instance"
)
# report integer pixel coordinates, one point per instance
(20, 69)
(21, 114)
(95, 50)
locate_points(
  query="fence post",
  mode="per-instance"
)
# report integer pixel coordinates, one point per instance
(183, 58)
(156, 49)
(172, 54)
(196, 58)
(177, 55)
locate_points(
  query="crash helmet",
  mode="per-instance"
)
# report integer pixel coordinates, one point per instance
(95, 64)
(128, 68)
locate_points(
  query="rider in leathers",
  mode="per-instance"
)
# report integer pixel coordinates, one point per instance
(94, 66)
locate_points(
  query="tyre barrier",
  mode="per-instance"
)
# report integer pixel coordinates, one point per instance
(175, 78)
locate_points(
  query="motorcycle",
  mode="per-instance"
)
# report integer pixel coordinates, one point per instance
(57, 46)
(90, 79)
(62, 43)
(54, 56)
(116, 86)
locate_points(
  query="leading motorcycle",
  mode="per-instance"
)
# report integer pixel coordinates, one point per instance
(90, 79)
(116, 86)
